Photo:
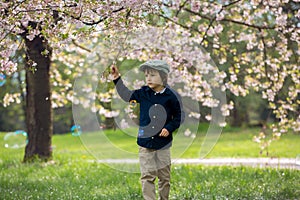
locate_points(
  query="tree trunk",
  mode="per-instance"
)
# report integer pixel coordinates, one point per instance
(38, 100)
(239, 116)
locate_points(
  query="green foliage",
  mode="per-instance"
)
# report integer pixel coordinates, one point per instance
(11, 113)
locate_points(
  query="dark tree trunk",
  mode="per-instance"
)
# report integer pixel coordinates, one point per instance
(38, 100)
(239, 117)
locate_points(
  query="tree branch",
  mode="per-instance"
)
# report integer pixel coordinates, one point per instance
(80, 46)
(230, 20)
(231, 3)
(265, 53)
(180, 7)
(179, 24)
(94, 22)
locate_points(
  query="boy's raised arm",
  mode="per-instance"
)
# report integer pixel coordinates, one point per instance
(122, 90)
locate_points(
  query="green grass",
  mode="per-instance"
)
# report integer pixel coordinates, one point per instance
(72, 176)
(240, 144)
(70, 179)
(117, 144)
(122, 144)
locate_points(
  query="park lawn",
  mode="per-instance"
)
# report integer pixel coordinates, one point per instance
(72, 176)
(239, 143)
(76, 179)
(235, 143)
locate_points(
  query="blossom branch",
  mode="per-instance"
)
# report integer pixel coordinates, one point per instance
(80, 46)
(101, 19)
(180, 8)
(230, 20)
(264, 53)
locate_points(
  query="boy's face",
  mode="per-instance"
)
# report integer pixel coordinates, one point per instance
(153, 79)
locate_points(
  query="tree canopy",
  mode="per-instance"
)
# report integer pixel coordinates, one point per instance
(236, 46)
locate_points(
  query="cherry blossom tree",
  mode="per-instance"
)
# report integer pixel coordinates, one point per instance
(257, 43)
(254, 44)
(43, 28)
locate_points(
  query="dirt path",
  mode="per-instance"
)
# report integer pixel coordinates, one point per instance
(252, 162)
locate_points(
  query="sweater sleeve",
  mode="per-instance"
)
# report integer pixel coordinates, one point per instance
(125, 93)
(178, 115)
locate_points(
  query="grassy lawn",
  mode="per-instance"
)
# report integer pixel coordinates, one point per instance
(74, 179)
(117, 144)
(122, 144)
(71, 176)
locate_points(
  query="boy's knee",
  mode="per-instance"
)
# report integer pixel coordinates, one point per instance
(165, 177)
(150, 176)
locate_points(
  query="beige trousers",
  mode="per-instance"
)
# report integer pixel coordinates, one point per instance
(155, 163)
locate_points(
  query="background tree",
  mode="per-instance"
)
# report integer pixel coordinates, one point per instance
(256, 43)
(45, 26)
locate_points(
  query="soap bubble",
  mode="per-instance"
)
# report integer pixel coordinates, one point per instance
(76, 130)
(15, 140)
(133, 103)
(2, 79)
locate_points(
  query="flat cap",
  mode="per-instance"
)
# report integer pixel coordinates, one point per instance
(159, 65)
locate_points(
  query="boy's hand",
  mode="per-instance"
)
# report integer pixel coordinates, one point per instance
(164, 133)
(115, 72)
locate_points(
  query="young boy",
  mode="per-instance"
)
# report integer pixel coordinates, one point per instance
(160, 114)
